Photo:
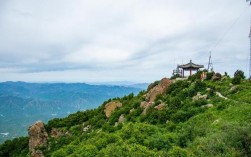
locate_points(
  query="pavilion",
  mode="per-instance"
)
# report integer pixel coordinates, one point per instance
(190, 67)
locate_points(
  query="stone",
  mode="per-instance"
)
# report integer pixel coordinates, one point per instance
(88, 127)
(110, 107)
(37, 153)
(208, 106)
(221, 96)
(158, 89)
(56, 132)
(216, 77)
(131, 110)
(160, 106)
(38, 137)
(233, 88)
(199, 96)
(145, 105)
(121, 119)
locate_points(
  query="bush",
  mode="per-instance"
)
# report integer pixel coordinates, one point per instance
(152, 85)
(210, 75)
(236, 80)
(178, 152)
(195, 76)
(199, 86)
(240, 74)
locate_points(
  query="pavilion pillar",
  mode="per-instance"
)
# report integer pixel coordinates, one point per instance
(190, 72)
(183, 73)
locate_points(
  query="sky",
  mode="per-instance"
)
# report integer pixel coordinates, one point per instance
(125, 40)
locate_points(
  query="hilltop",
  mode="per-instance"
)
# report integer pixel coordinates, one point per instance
(187, 117)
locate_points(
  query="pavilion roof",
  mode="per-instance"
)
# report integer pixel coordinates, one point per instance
(190, 65)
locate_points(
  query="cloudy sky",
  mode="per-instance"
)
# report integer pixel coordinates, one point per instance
(111, 40)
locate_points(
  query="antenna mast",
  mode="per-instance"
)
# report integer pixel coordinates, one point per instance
(250, 54)
(249, 1)
(210, 62)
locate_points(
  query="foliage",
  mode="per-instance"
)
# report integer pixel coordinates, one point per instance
(209, 75)
(17, 147)
(239, 73)
(211, 126)
(238, 76)
(152, 85)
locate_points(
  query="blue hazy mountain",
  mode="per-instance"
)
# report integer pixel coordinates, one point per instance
(21, 104)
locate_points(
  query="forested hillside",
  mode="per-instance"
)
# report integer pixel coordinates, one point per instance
(171, 118)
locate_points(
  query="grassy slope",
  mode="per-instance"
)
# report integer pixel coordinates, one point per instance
(183, 128)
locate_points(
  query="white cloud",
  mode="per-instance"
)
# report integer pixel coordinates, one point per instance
(112, 40)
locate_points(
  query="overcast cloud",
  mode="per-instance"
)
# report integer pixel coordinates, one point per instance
(111, 40)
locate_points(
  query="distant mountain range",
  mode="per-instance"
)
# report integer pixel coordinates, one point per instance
(21, 104)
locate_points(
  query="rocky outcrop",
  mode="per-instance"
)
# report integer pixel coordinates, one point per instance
(216, 77)
(56, 132)
(160, 106)
(145, 105)
(159, 89)
(132, 110)
(122, 119)
(87, 128)
(38, 137)
(207, 106)
(110, 107)
(199, 96)
(37, 153)
(221, 96)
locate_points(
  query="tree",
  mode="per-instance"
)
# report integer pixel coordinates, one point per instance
(239, 73)
(238, 76)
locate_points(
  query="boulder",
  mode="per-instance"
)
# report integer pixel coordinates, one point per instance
(88, 127)
(56, 132)
(122, 119)
(131, 110)
(145, 105)
(110, 107)
(158, 89)
(216, 77)
(38, 137)
(199, 96)
(160, 106)
(208, 106)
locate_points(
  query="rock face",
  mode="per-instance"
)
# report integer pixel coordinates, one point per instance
(110, 107)
(158, 89)
(154, 92)
(37, 153)
(38, 138)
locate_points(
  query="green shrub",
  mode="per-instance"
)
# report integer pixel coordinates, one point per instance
(239, 73)
(178, 152)
(209, 75)
(236, 80)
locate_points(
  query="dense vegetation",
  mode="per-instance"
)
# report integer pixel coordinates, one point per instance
(218, 124)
